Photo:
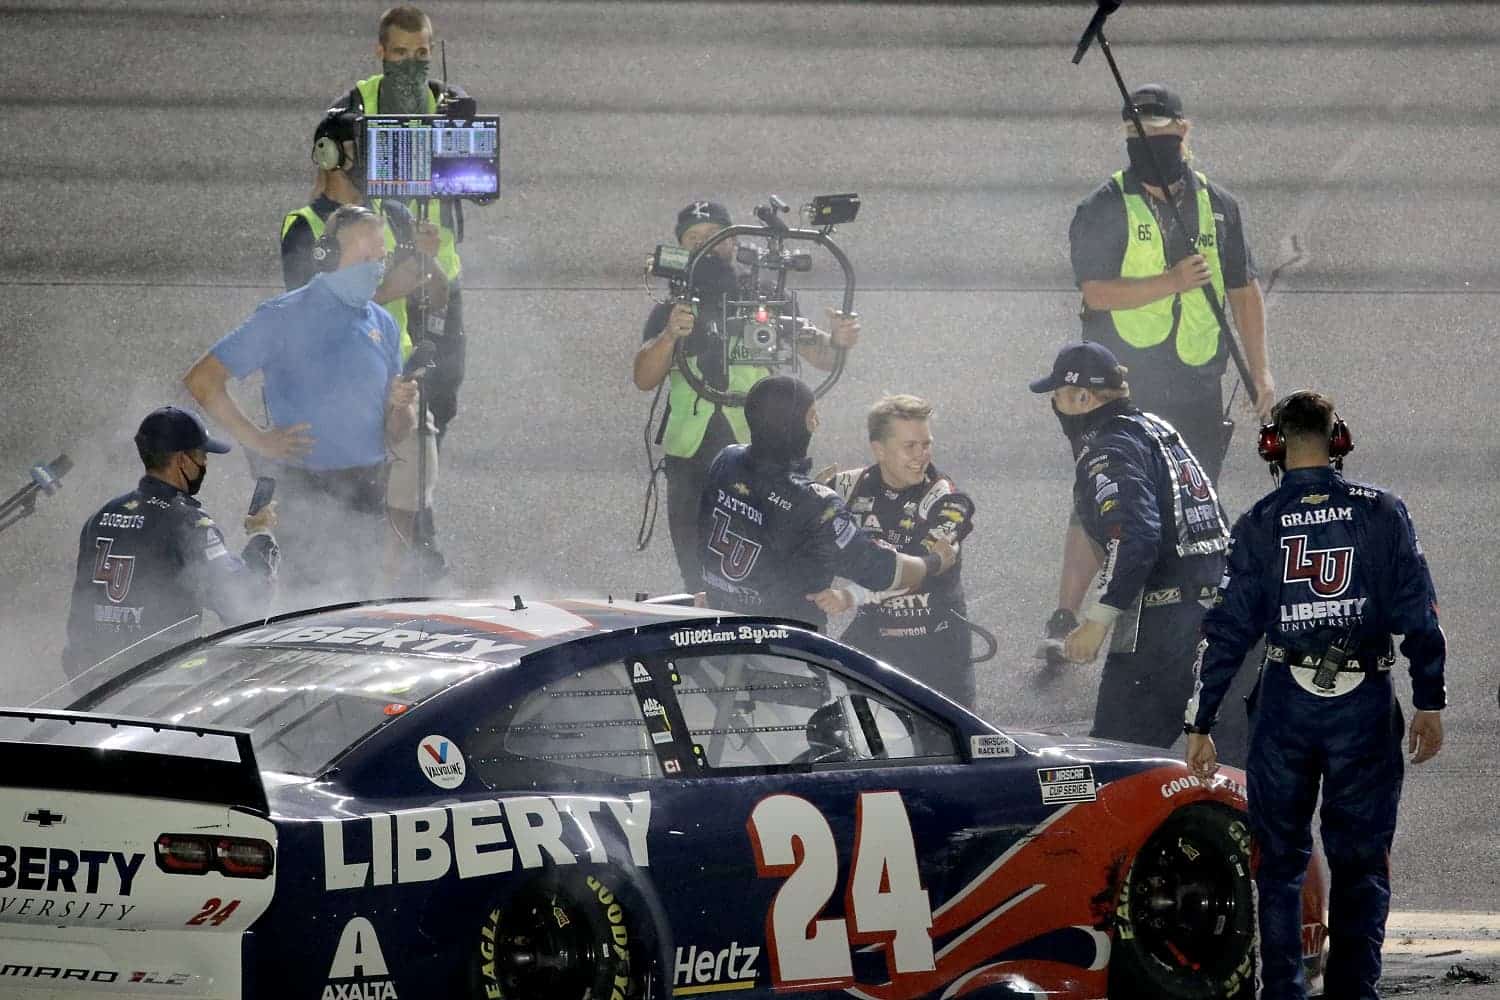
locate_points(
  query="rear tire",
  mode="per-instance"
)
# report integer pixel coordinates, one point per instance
(1185, 917)
(564, 936)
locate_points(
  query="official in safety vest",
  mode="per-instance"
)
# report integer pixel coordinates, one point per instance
(1140, 277)
(695, 430)
(404, 48)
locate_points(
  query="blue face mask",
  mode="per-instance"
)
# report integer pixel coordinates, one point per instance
(355, 285)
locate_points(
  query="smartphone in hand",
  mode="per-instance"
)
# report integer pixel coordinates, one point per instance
(265, 488)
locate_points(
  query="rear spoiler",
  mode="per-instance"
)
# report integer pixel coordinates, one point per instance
(122, 755)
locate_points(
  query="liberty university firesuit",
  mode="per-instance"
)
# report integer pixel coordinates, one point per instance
(1321, 561)
(922, 631)
(770, 536)
(1146, 502)
(150, 559)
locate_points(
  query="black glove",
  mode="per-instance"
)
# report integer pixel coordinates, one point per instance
(1058, 626)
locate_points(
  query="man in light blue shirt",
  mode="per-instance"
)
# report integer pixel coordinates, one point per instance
(331, 364)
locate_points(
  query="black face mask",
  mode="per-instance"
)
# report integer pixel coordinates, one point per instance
(1168, 151)
(713, 278)
(1073, 425)
(196, 483)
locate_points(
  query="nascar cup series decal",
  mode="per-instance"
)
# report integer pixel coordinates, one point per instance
(441, 761)
(1067, 784)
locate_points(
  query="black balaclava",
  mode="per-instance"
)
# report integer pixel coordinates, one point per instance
(776, 410)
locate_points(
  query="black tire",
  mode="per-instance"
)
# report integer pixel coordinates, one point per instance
(564, 936)
(1185, 917)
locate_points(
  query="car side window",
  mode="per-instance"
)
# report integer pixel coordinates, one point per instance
(771, 712)
(586, 726)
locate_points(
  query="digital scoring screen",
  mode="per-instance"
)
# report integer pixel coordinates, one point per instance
(430, 156)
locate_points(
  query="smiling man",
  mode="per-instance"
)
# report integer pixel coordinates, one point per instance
(907, 503)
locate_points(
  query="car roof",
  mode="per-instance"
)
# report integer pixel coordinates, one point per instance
(487, 630)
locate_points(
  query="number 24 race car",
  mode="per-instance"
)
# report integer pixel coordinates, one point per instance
(595, 800)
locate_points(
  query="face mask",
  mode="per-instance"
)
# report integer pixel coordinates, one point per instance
(1073, 425)
(195, 483)
(713, 277)
(355, 285)
(403, 91)
(1168, 150)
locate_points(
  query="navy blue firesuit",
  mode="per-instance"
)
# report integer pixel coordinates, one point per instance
(1146, 502)
(1317, 562)
(770, 536)
(150, 559)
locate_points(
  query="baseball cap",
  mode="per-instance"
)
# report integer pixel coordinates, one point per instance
(1086, 365)
(701, 211)
(1158, 105)
(168, 429)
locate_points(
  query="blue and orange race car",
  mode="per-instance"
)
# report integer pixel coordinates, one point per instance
(595, 800)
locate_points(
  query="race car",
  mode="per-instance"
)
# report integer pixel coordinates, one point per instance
(469, 799)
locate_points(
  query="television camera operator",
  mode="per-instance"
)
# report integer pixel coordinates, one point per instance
(694, 430)
(771, 539)
(404, 47)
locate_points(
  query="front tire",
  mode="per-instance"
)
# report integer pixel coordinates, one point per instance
(563, 936)
(1185, 917)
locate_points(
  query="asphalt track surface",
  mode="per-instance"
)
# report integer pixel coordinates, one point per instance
(152, 148)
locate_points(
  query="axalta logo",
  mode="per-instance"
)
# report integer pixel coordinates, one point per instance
(441, 761)
(405, 639)
(702, 970)
(484, 837)
(361, 963)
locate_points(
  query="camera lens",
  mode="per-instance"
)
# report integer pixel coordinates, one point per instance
(763, 335)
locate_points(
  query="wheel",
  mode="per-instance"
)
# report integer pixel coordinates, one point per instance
(564, 936)
(1185, 919)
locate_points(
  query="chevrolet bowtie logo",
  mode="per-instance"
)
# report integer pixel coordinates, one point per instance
(44, 818)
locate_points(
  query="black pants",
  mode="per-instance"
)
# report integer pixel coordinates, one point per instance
(1197, 411)
(448, 365)
(1143, 695)
(330, 527)
(686, 478)
(941, 659)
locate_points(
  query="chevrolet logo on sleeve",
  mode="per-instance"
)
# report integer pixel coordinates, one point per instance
(44, 818)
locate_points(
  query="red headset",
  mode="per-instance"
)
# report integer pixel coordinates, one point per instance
(1272, 443)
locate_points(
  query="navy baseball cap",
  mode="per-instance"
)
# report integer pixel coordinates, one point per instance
(1158, 104)
(1086, 365)
(168, 429)
(701, 211)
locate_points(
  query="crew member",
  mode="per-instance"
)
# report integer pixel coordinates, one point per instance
(330, 361)
(905, 501)
(412, 540)
(151, 560)
(1140, 277)
(1151, 513)
(1325, 570)
(772, 539)
(404, 48)
(694, 430)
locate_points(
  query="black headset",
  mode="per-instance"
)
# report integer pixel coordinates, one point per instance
(325, 251)
(336, 128)
(1272, 442)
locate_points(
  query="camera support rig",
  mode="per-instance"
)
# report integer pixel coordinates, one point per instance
(766, 322)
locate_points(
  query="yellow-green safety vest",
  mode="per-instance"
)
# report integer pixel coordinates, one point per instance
(689, 413)
(447, 255)
(396, 307)
(1145, 257)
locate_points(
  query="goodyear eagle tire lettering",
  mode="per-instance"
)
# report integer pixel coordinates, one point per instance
(564, 936)
(1184, 918)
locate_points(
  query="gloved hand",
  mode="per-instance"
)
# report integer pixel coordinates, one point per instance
(1056, 630)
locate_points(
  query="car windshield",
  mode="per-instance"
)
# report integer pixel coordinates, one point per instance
(303, 707)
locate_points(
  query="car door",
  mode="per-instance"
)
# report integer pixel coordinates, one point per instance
(833, 836)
